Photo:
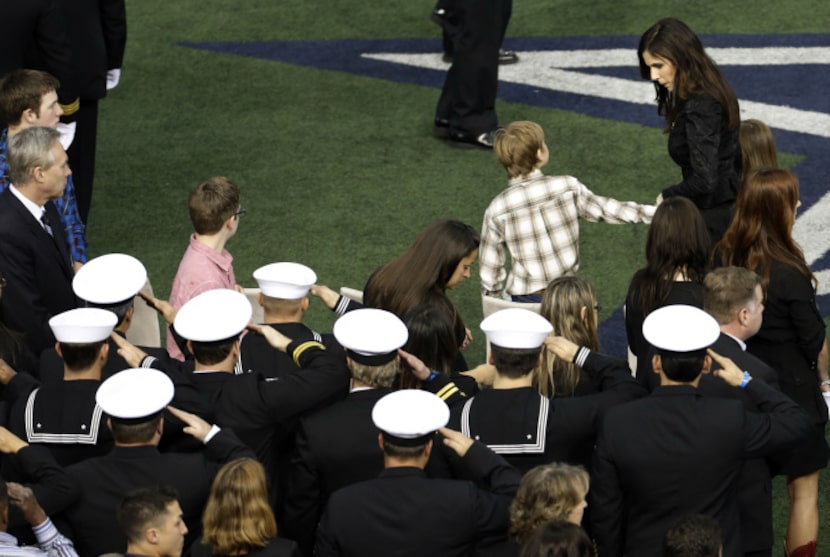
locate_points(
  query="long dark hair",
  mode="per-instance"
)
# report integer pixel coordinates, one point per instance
(677, 241)
(696, 72)
(422, 273)
(761, 230)
(431, 338)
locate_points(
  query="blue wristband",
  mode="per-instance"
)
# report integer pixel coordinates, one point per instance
(745, 380)
(432, 376)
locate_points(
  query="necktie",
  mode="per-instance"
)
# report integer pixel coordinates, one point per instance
(44, 218)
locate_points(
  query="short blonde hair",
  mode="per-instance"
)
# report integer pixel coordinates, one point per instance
(238, 518)
(375, 376)
(546, 493)
(516, 146)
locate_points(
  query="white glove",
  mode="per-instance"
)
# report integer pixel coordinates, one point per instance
(113, 77)
(67, 132)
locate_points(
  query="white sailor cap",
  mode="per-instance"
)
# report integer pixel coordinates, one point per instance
(371, 336)
(110, 279)
(410, 417)
(680, 328)
(286, 280)
(135, 394)
(214, 315)
(516, 328)
(83, 325)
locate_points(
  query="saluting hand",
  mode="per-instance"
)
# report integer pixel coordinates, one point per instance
(730, 373)
(456, 440)
(275, 338)
(162, 306)
(127, 350)
(328, 296)
(195, 426)
(561, 347)
(415, 365)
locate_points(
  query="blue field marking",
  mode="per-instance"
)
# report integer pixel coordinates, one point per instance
(801, 86)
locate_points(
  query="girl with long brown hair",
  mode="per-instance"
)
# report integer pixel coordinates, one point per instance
(792, 338)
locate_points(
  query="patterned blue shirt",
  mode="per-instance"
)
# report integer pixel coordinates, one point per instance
(67, 207)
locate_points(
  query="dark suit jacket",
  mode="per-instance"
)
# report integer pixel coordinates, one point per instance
(676, 453)
(38, 271)
(755, 478)
(33, 35)
(97, 31)
(404, 513)
(336, 447)
(105, 480)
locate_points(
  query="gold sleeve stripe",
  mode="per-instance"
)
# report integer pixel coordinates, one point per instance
(303, 347)
(71, 108)
(446, 393)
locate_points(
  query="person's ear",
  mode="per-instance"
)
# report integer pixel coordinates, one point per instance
(380, 441)
(304, 304)
(104, 351)
(152, 536)
(29, 116)
(58, 349)
(583, 314)
(428, 449)
(707, 364)
(491, 360)
(657, 364)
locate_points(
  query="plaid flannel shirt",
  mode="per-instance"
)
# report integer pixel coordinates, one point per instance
(536, 220)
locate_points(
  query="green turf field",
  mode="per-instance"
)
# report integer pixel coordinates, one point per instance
(339, 171)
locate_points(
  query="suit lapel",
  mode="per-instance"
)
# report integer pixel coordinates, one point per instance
(57, 243)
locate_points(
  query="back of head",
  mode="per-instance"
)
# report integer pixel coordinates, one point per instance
(79, 357)
(696, 72)
(677, 242)
(757, 147)
(27, 150)
(135, 432)
(726, 290)
(693, 536)
(517, 144)
(432, 336)
(22, 90)
(212, 203)
(514, 362)
(238, 518)
(568, 303)
(761, 228)
(422, 273)
(558, 539)
(144, 508)
(546, 493)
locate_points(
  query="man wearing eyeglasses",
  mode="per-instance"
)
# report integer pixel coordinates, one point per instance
(206, 264)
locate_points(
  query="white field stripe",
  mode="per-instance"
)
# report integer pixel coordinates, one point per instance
(542, 69)
(812, 231)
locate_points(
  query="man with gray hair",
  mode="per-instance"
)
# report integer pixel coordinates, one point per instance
(34, 253)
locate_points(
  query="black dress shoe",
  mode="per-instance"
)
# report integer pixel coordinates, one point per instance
(506, 57)
(442, 128)
(468, 140)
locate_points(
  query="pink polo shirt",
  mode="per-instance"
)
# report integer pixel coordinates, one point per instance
(200, 270)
